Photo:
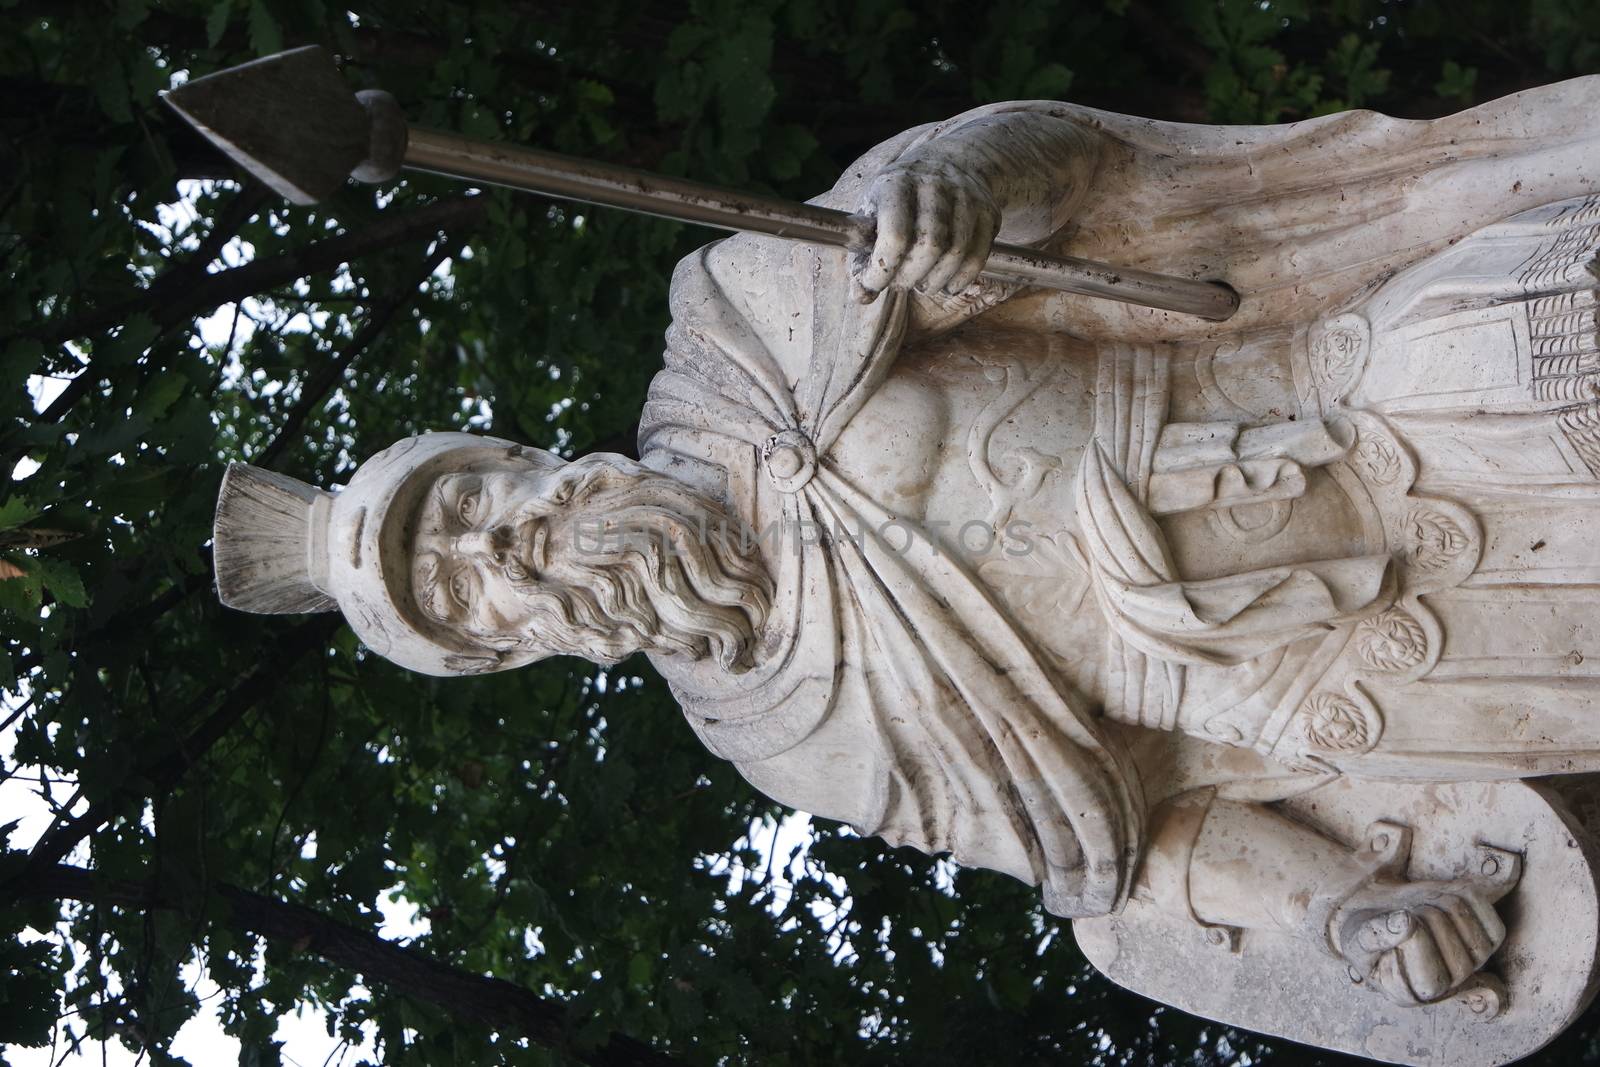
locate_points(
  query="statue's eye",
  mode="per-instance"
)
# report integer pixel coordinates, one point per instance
(467, 506)
(461, 589)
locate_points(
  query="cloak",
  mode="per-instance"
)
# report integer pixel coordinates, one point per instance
(891, 689)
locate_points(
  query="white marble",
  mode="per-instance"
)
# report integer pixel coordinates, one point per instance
(1248, 629)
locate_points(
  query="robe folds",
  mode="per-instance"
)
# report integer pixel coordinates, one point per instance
(891, 689)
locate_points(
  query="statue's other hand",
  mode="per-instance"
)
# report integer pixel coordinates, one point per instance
(934, 226)
(1419, 941)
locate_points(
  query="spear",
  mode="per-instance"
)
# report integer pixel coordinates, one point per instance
(291, 120)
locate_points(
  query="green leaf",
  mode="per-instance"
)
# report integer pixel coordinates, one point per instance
(641, 970)
(28, 1002)
(158, 395)
(788, 148)
(16, 511)
(131, 12)
(265, 36)
(182, 846)
(110, 87)
(1050, 81)
(217, 22)
(63, 580)
(592, 93)
(1457, 82)
(132, 340)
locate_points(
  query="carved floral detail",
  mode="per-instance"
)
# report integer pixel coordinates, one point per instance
(1045, 582)
(1337, 352)
(1334, 723)
(1379, 459)
(1433, 541)
(1029, 465)
(1393, 641)
(1339, 349)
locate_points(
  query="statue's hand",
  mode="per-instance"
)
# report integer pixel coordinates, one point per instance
(1419, 941)
(935, 224)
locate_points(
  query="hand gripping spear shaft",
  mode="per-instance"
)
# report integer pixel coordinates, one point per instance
(291, 121)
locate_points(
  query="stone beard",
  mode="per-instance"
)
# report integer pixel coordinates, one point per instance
(605, 559)
(1310, 595)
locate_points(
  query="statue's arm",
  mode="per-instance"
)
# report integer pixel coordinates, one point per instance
(1013, 176)
(1235, 864)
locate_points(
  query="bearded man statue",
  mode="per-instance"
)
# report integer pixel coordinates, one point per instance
(1168, 617)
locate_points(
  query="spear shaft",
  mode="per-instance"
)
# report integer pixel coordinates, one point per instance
(292, 121)
(586, 180)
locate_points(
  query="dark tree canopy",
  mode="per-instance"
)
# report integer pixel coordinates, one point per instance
(239, 781)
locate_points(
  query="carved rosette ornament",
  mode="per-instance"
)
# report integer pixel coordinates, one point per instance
(1434, 541)
(1394, 642)
(1330, 726)
(1339, 349)
(1379, 460)
(1333, 723)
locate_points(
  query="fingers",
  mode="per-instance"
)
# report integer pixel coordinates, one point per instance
(1480, 928)
(963, 220)
(1470, 911)
(1385, 931)
(934, 229)
(894, 203)
(985, 226)
(1392, 979)
(932, 235)
(1449, 941)
(1448, 961)
(1415, 973)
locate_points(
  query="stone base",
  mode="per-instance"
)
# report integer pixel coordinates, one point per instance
(1274, 984)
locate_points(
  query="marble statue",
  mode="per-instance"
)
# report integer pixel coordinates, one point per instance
(1269, 649)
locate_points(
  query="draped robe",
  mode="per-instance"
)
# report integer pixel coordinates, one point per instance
(892, 689)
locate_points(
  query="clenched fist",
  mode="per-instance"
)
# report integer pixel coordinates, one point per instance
(1419, 941)
(934, 224)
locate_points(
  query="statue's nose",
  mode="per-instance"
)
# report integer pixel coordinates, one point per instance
(488, 543)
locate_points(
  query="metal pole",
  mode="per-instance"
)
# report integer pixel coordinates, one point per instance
(688, 201)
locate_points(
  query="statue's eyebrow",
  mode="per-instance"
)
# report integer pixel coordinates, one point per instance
(445, 495)
(433, 504)
(425, 588)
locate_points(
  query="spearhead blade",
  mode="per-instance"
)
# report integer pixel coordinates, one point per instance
(289, 119)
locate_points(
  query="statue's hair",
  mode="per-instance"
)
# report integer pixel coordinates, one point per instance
(675, 576)
(261, 542)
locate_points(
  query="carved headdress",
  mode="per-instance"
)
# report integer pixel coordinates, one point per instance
(283, 546)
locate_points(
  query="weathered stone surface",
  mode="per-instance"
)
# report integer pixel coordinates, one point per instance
(1266, 980)
(1238, 633)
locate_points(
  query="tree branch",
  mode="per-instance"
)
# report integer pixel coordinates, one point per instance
(182, 293)
(162, 773)
(508, 1008)
(230, 220)
(178, 294)
(317, 385)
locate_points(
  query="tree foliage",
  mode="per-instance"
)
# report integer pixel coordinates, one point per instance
(558, 826)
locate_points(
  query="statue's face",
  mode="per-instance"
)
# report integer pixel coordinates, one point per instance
(599, 558)
(480, 537)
